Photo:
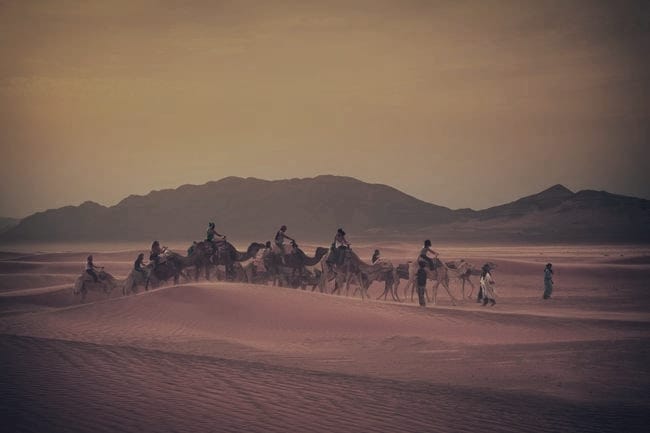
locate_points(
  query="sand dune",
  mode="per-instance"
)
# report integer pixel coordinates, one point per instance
(214, 356)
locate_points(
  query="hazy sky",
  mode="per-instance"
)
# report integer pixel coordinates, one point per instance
(460, 103)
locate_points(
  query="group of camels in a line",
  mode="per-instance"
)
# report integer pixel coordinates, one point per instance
(261, 265)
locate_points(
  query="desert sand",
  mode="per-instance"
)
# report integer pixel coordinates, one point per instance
(221, 356)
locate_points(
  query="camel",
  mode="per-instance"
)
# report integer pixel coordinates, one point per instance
(296, 261)
(341, 272)
(106, 283)
(440, 275)
(288, 278)
(464, 270)
(353, 267)
(384, 271)
(133, 280)
(205, 257)
(237, 273)
(170, 266)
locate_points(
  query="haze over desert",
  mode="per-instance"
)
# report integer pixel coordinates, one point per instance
(324, 216)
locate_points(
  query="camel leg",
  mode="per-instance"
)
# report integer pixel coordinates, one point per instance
(323, 281)
(445, 284)
(337, 286)
(394, 289)
(434, 292)
(471, 293)
(384, 294)
(361, 287)
(394, 293)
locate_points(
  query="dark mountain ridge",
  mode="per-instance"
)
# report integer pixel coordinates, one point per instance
(313, 208)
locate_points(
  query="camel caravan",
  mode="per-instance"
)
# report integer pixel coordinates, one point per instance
(331, 270)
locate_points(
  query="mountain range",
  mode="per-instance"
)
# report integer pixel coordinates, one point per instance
(313, 208)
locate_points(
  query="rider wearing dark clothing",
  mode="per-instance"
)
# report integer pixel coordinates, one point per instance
(340, 246)
(215, 239)
(375, 257)
(156, 251)
(90, 268)
(137, 265)
(423, 254)
(280, 236)
(212, 234)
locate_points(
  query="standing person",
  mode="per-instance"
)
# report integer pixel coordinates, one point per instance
(90, 268)
(423, 254)
(487, 286)
(421, 278)
(548, 281)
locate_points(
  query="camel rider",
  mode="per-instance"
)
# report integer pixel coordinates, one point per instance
(375, 257)
(423, 254)
(156, 251)
(280, 236)
(215, 239)
(137, 265)
(90, 268)
(212, 236)
(340, 245)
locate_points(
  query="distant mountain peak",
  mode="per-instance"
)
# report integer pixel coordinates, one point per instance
(555, 194)
(558, 188)
(90, 204)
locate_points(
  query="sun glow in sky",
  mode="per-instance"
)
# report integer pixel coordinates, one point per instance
(459, 103)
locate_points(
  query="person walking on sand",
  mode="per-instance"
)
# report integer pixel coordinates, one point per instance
(548, 281)
(90, 268)
(487, 286)
(421, 278)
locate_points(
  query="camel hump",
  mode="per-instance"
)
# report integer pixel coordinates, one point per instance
(403, 271)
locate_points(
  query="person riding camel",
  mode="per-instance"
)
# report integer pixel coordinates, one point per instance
(280, 236)
(423, 254)
(137, 265)
(90, 268)
(375, 257)
(156, 251)
(340, 246)
(215, 239)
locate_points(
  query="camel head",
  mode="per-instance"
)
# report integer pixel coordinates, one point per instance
(254, 248)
